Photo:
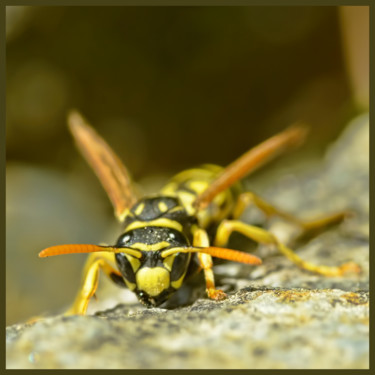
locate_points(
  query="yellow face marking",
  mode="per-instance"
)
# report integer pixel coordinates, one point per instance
(162, 207)
(163, 222)
(131, 286)
(139, 209)
(152, 280)
(177, 284)
(150, 247)
(168, 262)
(134, 262)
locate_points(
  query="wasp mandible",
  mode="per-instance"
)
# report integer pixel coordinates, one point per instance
(173, 234)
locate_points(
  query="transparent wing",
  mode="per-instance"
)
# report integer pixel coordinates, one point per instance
(107, 166)
(252, 160)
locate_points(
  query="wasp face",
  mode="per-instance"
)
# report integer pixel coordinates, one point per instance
(151, 276)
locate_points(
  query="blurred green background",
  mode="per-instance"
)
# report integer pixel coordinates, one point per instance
(168, 88)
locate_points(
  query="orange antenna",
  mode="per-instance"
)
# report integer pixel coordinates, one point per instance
(86, 248)
(217, 252)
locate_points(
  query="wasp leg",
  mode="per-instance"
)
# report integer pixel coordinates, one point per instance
(260, 235)
(309, 228)
(95, 262)
(205, 261)
(313, 227)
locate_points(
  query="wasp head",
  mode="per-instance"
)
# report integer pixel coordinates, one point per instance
(152, 276)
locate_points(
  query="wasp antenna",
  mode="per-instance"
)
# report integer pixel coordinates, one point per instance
(73, 249)
(86, 248)
(217, 252)
(233, 255)
(252, 160)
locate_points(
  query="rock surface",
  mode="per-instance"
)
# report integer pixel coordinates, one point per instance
(277, 316)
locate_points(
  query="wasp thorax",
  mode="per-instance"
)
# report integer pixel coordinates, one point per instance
(150, 208)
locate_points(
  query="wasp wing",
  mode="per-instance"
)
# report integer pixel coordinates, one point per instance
(112, 174)
(252, 160)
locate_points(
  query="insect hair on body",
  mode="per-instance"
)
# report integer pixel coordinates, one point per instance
(165, 236)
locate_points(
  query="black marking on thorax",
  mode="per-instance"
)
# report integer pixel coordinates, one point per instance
(163, 207)
(150, 208)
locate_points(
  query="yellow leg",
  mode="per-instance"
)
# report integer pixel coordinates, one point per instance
(310, 228)
(205, 261)
(262, 236)
(94, 263)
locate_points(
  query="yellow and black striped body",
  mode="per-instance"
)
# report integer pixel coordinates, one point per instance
(187, 185)
(166, 221)
(168, 235)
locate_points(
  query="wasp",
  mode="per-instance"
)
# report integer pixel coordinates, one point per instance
(175, 233)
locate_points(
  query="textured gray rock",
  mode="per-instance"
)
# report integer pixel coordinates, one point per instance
(259, 328)
(277, 316)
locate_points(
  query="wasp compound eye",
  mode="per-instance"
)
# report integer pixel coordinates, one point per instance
(179, 266)
(127, 265)
(125, 240)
